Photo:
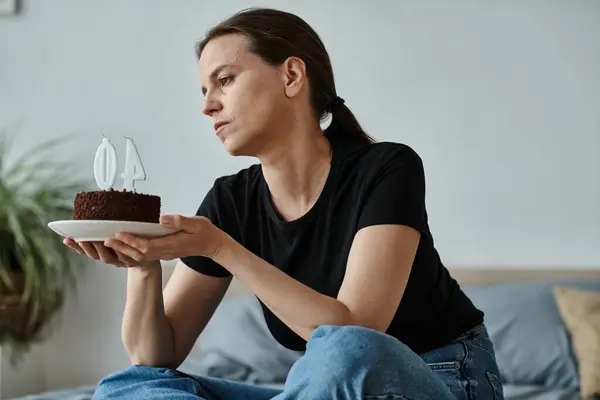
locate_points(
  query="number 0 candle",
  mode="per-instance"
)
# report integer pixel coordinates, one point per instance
(105, 165)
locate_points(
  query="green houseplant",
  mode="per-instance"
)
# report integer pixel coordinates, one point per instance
(35, 266)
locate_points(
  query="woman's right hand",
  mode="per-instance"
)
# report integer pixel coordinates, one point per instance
(98, 251)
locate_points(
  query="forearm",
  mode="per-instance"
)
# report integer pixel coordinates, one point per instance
(299, 306)
(146, 332)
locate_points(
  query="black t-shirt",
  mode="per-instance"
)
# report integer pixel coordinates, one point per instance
(368, 184)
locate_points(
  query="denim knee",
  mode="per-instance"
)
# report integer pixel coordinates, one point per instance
(346, 350)
(348, 344)
(348, 362)
(353, 362)
(138, 378)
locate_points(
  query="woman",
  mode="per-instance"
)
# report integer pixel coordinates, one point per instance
(329, 231)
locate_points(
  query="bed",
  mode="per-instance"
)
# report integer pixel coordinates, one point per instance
(534, 343)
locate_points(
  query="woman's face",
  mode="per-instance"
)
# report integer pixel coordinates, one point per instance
(245, 97)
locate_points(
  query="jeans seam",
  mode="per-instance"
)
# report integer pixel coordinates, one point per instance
(199, 390)
(463, 372)
(472, 343)
(385, 396)
(494, 381)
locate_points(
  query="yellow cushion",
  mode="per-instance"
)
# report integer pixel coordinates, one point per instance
(580, 311)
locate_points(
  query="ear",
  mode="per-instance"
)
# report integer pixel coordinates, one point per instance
(294, 75)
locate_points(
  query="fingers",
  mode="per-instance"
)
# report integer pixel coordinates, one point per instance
(107, 255)
(99, 251)
(89, 250)
(128, 261)
(111, 256)
(163, 248)
(139, 244)
(180, 222)
(74, 245)
(120, 246)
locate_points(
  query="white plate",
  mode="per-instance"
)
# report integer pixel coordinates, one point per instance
(97, 230)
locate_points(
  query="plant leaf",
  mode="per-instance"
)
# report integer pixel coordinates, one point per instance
(34, 191)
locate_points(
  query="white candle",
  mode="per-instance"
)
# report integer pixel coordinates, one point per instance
(133, 167)
(105, 165)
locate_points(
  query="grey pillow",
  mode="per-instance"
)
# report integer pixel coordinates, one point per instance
(532, 344)
(236, 344)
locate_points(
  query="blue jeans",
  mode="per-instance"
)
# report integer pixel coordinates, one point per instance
(340, 363)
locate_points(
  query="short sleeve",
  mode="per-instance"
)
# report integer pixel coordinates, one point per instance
(396, 193)
(209, 209)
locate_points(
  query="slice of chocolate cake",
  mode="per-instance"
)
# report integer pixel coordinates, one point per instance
(117, 205)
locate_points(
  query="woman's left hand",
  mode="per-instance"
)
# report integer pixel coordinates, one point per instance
(196, 236)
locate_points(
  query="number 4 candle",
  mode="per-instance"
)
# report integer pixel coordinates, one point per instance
(133, 167)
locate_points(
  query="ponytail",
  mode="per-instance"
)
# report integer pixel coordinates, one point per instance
(343, 122)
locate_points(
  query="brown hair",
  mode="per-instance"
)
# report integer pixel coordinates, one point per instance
(276, 35)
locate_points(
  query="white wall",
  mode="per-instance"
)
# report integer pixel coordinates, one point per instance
(502, 101)
(29, 377)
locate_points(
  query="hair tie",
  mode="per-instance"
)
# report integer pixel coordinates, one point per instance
(335, 104)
